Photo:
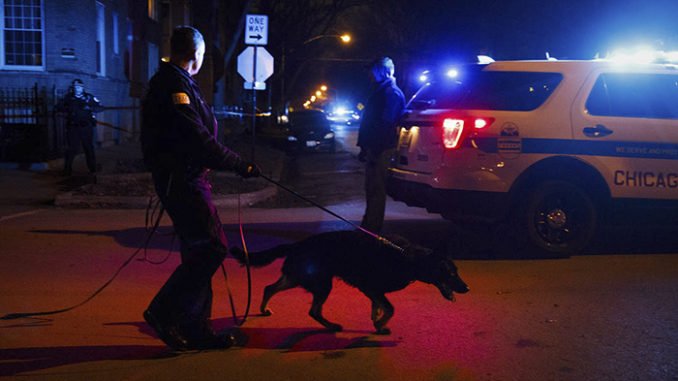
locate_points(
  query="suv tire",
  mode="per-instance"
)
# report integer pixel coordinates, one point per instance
(558, 218)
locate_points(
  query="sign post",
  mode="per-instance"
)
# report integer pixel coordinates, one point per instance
(256, 33)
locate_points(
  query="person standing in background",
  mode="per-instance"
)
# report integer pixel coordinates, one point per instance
(80, 107)
(378, 137)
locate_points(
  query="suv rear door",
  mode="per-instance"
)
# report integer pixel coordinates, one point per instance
(626, 125)
(501, 97)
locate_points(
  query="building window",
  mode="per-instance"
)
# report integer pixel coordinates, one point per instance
(153, 59)
(116, 34)
(101, 39)
(153, 13)
(21, 41)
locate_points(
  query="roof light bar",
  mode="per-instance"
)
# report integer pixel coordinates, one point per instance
(643, 55)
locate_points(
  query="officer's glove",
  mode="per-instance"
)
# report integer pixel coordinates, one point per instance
(362, 156)
(247, 170)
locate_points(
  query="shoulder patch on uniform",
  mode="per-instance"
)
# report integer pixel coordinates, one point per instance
(181, 99)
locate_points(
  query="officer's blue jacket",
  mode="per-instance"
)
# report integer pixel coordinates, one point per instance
(178, 127)
(378, 128)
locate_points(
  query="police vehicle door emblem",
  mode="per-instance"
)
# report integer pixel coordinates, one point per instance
(509, 144)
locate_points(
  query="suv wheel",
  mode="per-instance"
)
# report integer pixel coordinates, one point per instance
(558, 218)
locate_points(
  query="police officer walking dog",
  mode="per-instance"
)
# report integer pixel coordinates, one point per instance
(79, 107)
(179, 144)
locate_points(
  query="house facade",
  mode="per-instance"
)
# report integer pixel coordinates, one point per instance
(113, 46)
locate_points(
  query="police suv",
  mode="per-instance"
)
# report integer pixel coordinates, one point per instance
(550, 149)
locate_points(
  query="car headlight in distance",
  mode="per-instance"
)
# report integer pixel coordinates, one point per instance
(291, 138)
(329, 135)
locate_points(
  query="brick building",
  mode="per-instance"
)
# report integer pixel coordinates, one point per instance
(114, 46)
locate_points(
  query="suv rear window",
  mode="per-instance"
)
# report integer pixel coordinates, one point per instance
(489, 90)
(635, 96)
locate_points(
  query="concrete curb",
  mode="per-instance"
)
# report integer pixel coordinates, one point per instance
(272, 159)
(69, 200)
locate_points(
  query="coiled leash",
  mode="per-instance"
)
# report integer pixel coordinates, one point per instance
(249, 275)
(149, 235)
(324, 209)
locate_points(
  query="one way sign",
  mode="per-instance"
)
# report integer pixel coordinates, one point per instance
(256, 30)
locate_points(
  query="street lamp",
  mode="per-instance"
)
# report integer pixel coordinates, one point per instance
(345, 38)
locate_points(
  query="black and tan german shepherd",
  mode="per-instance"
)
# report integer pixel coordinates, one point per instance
(360, 260)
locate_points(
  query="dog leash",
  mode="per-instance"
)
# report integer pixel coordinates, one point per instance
(249, 276)
(376, 236)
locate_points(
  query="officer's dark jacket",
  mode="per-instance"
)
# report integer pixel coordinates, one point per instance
(378, 129)
(178, 129)
(80, 110)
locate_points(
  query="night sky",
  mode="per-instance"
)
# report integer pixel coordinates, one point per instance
(425, 33)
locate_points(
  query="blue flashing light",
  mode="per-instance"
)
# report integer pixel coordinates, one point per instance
(453, 73)
(424, 76)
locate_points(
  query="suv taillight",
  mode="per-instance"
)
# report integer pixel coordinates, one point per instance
(455, 129)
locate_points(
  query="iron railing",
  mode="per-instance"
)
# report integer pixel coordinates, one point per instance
(27, 133)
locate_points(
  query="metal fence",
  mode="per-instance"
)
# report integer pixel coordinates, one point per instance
(29, 132)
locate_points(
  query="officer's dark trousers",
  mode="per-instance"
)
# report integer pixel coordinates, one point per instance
(80, 136)
(376, 169)
(186, 297)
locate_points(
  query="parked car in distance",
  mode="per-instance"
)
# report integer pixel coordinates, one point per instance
(309, 130)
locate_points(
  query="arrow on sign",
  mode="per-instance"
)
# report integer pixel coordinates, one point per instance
(256, 37)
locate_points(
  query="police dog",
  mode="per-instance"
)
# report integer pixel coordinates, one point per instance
(371, 265)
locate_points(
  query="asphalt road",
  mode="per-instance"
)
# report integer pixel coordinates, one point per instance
(592, 317)
(611, 314)
(322, 177)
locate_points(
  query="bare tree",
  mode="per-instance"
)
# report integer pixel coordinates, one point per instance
(292, 25)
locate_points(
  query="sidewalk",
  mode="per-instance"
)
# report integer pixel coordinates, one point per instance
(123, 183)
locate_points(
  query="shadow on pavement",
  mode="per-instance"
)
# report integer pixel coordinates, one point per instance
(458, 241)
(298, 339)
(20, 360)
(311, 339)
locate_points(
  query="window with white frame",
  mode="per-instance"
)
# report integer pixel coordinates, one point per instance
(22, 34)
